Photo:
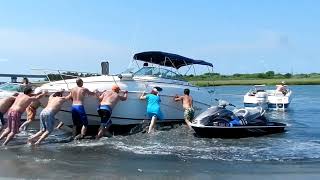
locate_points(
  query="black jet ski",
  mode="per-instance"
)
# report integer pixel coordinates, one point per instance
(220, 122)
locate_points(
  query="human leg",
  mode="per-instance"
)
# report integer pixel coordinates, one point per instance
(75, 120)
(5, 133)
(24, 125)
(43, 127)
(188, 116)
(9, 125)
(43, 136)
(33, 138)
(2, 120)
(84, 121)
(13, 124)
(152, 124)
(9, 137)
(60, 125)
(105, 115)
(31, 114)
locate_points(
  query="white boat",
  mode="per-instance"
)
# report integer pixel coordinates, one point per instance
(267, 99)
(9, 89)
(133, 111)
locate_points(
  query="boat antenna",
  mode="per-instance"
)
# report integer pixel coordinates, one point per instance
(64, 80)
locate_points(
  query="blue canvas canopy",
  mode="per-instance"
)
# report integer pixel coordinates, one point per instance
(168, 59)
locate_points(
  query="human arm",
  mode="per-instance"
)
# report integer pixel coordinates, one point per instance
(39, 96)
(125, 96)
(178, 98)
(143, 97)
(90, 93)
(101, 96)
(69, 96)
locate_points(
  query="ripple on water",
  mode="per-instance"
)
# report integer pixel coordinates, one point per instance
(268, 148)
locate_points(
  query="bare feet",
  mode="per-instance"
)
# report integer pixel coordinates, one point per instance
(31, 141)
(37, 143)
(79, 137)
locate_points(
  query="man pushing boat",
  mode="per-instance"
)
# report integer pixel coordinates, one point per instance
(108, 100)
(17, 109)
(79, 115)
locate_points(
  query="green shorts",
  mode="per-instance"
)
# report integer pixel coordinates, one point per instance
(189, 114)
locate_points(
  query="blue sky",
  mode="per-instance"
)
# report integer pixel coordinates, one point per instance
(236, 36)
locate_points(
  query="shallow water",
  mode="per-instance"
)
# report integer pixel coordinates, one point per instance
(177, 154)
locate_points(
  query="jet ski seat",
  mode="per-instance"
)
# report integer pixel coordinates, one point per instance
(241, 113)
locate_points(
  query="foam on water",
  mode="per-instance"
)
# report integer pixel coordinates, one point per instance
(268, 148)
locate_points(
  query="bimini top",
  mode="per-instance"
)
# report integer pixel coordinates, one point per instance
(168, 59)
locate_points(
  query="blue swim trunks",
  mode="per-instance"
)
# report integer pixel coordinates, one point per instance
(105, 112)
(79, 115)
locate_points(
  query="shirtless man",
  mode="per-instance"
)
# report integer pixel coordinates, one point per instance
(79, 115)
(187, 103)
(47, 117)
(108, 100)
(5, 104)
(14, 114)
(31, 114)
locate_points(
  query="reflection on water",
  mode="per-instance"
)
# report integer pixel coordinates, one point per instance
(176, 153)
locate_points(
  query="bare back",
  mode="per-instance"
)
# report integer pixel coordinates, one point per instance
(78, 94)
(187, 101)
(6, 103)
(55, 103)
(22, 102)
(110, 98)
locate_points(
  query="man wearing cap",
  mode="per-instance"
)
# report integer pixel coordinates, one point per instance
(108, 100)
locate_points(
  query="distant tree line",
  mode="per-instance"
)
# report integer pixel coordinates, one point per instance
(68, 75)
(238, 76)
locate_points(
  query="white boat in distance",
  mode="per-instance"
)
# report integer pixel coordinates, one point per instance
(133, 111)
(267, 99)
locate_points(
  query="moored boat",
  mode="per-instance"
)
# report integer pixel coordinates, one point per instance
(259, 96)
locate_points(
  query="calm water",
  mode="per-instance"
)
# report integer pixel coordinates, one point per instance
(177, 154)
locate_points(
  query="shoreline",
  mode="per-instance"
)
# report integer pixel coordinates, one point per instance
(239, 82)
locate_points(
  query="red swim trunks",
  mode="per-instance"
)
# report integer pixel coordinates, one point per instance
(14, 120)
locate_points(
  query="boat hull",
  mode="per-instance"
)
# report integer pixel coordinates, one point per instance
(133, 110)
(238, 131)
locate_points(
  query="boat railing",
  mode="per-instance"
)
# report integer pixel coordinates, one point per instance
(62, 74)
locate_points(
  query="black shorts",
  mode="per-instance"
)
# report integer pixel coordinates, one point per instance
(105, 117)
(2, 119)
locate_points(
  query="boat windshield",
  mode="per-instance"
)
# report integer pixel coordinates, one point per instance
(157, 72)
(11, 87)
(259, 88)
